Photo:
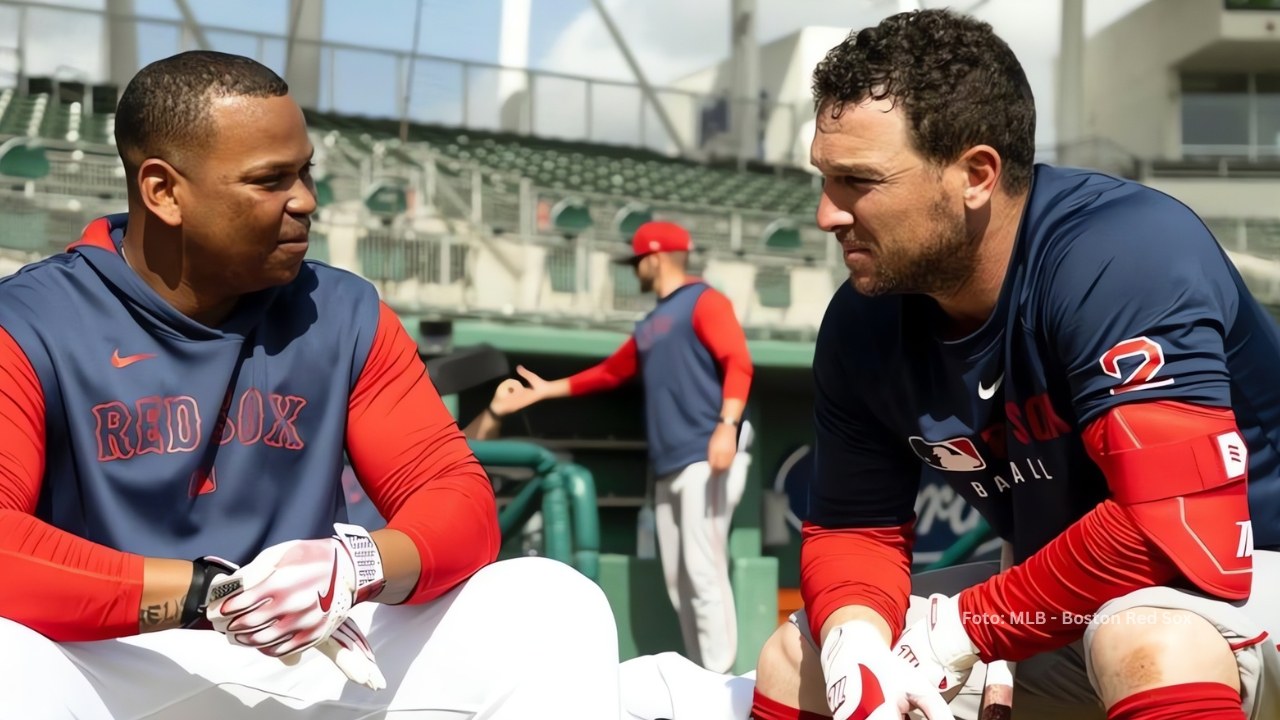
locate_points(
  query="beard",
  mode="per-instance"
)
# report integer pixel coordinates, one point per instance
(939, 265)
(646, 284)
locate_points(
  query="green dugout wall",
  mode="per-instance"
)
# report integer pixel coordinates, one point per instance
(605, 434)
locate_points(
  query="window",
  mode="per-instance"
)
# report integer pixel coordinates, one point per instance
(1215, 111)
(1268, 104)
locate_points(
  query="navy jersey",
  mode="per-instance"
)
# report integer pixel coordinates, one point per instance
(135, 394)
(1115, 293)
(681, 381)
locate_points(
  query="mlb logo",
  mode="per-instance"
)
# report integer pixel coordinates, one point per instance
(955, 455)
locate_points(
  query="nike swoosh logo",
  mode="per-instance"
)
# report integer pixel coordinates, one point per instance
(986, 393)
(126, 361)
(326, 600)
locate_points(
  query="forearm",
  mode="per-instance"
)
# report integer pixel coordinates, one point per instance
(616, 369)
(559, 388)
(165, 584)
(401, 565)
(732, 408)
(1039, 605)
(485, 426)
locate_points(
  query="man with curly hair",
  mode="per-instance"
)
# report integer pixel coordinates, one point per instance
(1077, 357)
(1088, 356)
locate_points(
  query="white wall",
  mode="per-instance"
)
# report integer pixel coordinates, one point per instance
(1131, 81)
(1223, 197)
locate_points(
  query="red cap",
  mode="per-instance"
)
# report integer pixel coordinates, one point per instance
(656, 236)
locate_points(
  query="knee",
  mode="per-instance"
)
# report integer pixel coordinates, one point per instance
(781, 655)
(549, 589)
(789, 671)
(1143, 648)
(538, 583)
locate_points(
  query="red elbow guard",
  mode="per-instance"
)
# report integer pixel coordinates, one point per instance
(1182, 472)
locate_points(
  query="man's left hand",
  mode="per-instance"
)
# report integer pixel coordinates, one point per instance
(722, 448)
(295, 594)
(939, 646)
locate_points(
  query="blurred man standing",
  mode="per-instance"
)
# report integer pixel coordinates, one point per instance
(692, 356)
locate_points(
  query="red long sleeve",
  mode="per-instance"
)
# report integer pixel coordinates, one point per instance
(71, 589)
(882, 581)
(717, 327)
(1146, 451)
(1043, 603)
(416, 467)
(608, 374)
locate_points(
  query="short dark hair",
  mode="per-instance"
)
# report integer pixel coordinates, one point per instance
(958, 83)
(164, 111)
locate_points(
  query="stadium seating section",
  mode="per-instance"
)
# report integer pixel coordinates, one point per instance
(481, 223)
(461, 220)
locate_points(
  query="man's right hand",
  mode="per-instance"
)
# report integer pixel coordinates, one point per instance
(867, 681)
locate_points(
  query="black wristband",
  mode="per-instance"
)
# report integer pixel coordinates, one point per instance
(494, 415)
(203, 572)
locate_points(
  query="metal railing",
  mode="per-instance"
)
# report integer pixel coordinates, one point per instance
(366, 80)
(474, 239)
(565, 494)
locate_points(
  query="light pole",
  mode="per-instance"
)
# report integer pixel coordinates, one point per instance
(408, 84)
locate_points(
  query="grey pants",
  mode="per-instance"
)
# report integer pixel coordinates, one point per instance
(1060, 685)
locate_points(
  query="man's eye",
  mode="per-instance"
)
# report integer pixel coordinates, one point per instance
(268, 179)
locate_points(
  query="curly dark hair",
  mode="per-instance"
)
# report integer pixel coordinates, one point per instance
(958, 83)
(164, 110)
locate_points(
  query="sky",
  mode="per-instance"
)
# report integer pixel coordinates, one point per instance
(670, 39)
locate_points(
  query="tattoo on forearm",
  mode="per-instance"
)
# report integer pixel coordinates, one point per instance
(162, 615)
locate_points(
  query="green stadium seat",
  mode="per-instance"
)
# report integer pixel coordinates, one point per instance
(387, 199)
(19, 160)
(571, 217)
(324, 192)
(782, 234)
(630, 218)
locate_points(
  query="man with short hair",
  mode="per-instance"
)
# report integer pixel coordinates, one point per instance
(1077, 357)
(176, 395)
(691, 355)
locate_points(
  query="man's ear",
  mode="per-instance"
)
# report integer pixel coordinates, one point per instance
(157, 184)
(982, 166)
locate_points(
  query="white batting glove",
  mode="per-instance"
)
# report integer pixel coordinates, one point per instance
(294, 595)
(939, 647)
(350, 651)
(347, 647)
(867, 681)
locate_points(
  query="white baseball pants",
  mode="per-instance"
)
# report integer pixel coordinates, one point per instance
(523, 638)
